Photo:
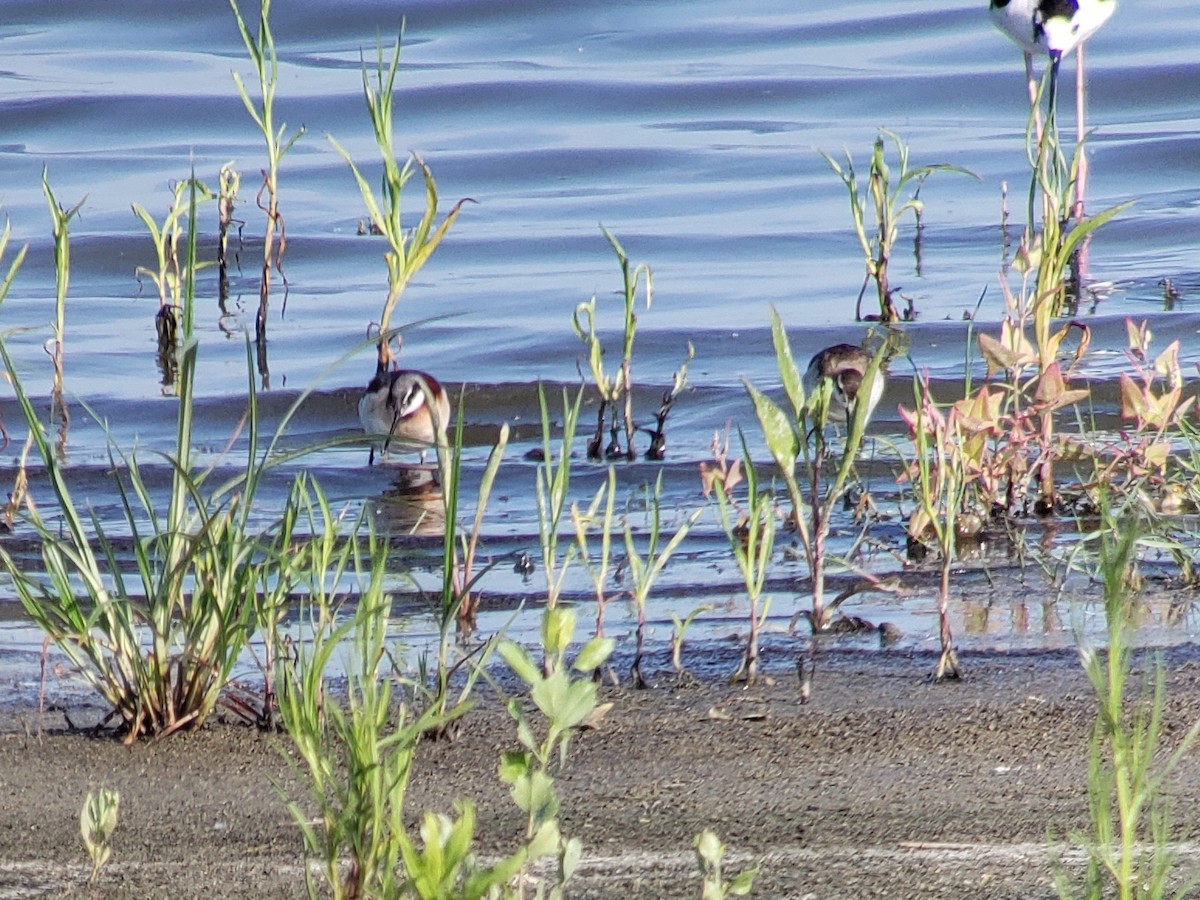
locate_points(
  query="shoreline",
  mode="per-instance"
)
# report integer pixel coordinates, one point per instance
(883, 785)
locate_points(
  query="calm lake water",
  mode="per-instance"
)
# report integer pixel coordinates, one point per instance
(690, 130)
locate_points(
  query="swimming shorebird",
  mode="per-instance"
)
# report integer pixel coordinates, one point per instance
(845, 366)
(1054, 27)
(406, 407)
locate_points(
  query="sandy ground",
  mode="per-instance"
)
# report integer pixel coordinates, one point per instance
(883, 786)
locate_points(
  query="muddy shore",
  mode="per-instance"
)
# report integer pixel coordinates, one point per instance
(883, 786)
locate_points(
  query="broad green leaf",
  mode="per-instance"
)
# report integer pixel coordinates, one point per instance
(520, 662)
(594, 653)
(777, 427)
(545, 841)
(514, 764)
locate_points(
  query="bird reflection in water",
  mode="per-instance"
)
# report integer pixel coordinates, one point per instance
(413, 503)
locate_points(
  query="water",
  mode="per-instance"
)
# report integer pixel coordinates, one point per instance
(689, 129)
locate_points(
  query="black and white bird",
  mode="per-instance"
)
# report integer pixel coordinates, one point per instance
(1055, 28)
(407, 408)
(845, 365)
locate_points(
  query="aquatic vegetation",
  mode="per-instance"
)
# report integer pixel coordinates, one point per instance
(1056, 249)
(5, 286)
(229, 182)
(1014, 445)
(461, 548)
(458, 600)
(940, 476)
(796, 438)
(159, 647)
(658, 434)
(168, 276)
(751, 534)
(616, 389)
(644, 569)
(261, 49)
(61, 218)
(888, 204)
(408, 250)
(97, 822)
(597, 564)
(1152, 401)
(552, 490)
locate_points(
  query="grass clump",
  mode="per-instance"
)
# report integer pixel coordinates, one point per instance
(159, 646)
(357, 754)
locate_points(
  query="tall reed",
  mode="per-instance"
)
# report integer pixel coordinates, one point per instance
(159, 646)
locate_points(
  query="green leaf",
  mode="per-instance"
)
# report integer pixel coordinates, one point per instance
(545, 841)
(520, 662)
(742, 884)
(534, 793)
(571, 855)
(558, 626)
(777, 427)
(514, 764)
(709, 846)
(594, 653)
(789, 374)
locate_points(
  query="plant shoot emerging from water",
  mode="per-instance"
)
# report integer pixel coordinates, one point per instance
(60, 218)
(644, 569)
(407, 251)
(261, 49)
(751, 534)
(888, 203)
(796, 438)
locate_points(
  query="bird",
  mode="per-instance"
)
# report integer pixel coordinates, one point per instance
(844, 365)
(407, 407)
(1054, 27)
